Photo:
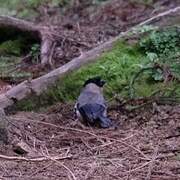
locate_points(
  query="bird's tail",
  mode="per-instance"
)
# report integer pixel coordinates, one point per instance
(105, 122)
(93, 114)
(87, 114)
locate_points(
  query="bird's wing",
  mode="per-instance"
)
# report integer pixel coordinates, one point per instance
(91, 112)
(91, 98)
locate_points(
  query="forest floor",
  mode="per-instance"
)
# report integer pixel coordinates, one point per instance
(145, 144)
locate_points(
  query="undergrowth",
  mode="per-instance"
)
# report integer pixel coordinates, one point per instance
(163, 42)
(30, 9)
(12, 50)
(27, 8)
(162, 48)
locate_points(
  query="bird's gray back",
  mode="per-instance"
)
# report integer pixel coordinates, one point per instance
(88, 97)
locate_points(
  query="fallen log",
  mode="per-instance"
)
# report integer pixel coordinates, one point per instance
(40, 84)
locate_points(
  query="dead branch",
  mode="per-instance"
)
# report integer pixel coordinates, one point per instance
(160, 15)
(8, 21)
(17, 158)
(51, 63)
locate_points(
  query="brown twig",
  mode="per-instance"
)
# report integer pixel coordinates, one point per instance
(65, 167)
(170, 11)
(41, 169)
(92, 134)
(138, 168)
(61, 165)
(148, 177)
(39, 159)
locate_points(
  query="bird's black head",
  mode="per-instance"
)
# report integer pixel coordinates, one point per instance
(96, 80)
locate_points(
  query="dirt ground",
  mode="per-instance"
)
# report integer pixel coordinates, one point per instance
(145, 144)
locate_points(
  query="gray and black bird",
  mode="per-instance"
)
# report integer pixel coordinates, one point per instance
(91, 106)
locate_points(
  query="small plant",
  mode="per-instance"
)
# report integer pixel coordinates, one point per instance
(35, 53)
(143, 29)
(162, 42)
(11, 47)
(162, 49)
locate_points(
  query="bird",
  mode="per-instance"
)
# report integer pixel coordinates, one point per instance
(91, 106)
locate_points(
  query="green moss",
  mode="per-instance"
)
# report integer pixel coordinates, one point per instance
(7, 65)
(145, 2)
(117, 67)
(12, 47)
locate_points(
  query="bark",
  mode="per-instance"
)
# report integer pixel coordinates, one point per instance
(46, 46)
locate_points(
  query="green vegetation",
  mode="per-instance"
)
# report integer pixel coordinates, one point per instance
(162, 42)
(116, 67)
(162, 48)
(146, 2)
(11, 47)
(19, 8)
(8, 65)
(26, 8)
(120, 67)
(35, 53)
